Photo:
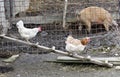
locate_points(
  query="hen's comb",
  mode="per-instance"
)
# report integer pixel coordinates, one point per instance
(40, 29)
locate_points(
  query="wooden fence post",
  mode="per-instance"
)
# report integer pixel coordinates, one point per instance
(4, 22)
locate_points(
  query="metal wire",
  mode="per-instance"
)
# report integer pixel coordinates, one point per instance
(49, 15)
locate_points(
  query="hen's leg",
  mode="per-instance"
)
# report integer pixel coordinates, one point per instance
(88, 25)
(72, 53)
(69, 53)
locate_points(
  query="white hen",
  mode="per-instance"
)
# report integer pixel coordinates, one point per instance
(27, 33)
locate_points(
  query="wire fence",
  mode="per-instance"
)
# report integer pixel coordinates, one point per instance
(49, 15)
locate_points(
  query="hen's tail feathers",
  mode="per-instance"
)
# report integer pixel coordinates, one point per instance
(68, 39)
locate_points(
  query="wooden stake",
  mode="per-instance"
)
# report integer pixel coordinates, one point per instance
(64, 14)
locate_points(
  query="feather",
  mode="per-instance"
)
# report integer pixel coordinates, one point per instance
(76, 45)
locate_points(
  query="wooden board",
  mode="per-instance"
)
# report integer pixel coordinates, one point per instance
(65, 59)
(79, 62)
(44, 19)
(51, 18)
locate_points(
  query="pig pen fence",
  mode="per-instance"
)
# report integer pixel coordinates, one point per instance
(49, 14)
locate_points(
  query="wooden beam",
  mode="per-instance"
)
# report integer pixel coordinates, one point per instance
(44, 19)
(66, 58)
(4, 22)
(49, 19)
(80, 62)
(64, 14)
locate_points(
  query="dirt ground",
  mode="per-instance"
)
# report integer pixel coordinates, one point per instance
(35, 66)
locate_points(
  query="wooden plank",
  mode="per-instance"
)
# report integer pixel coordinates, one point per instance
(67, 58)
(11, 8)
(79, 62)
(7, 8)
(49, 19)
(64, 13)
(57, 61)
(44, 19)
(3, 21)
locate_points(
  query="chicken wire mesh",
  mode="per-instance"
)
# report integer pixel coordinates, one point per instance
(49, 14)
